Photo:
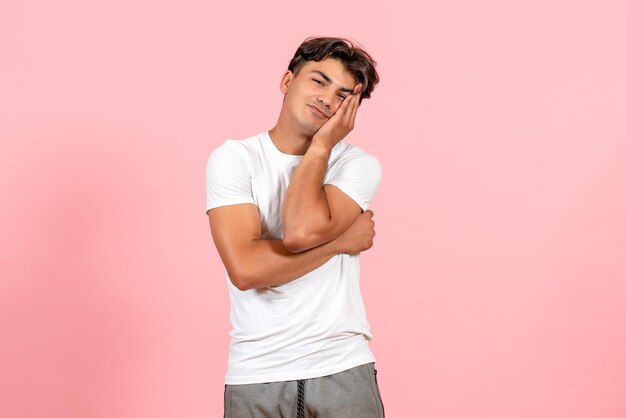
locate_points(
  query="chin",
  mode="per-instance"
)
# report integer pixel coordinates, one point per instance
(311, 123)
(306, 127)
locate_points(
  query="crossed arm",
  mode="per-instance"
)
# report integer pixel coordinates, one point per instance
(314, 214)
(318, 223)
(253, 263)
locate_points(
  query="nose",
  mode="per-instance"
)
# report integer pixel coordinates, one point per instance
(323, 101)
(326, 101)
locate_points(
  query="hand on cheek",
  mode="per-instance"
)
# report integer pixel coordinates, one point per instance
(341, 123)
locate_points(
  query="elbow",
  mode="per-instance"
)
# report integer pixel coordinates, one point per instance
(302, 238)
(294, 243)
(240, 284)
(241, 279)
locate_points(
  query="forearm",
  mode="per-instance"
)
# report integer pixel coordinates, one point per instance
(268, 263)
(305, 205)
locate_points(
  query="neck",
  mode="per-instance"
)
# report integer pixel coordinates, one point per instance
(288, 139)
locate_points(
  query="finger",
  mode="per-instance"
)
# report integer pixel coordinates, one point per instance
(358, 89)
(348, 110)
(345, 109)
(350, 115)
(344, 105)
(347, 105)
(354, 104)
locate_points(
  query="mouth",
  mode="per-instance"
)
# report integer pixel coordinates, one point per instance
(317, 112)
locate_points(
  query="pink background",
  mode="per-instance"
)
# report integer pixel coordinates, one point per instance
(496, 286)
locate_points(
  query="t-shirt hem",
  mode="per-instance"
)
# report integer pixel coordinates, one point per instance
(300, 374)
(351, 194)
(227, 202)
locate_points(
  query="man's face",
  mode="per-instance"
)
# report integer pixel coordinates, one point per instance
(314, 95)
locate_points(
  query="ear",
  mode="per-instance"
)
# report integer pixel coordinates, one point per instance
(285, 81)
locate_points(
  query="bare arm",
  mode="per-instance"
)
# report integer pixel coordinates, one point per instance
(254, 263)
(314, 214)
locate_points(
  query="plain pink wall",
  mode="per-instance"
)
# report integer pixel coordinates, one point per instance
(497, 283)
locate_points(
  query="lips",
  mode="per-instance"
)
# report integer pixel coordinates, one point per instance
(318, 112)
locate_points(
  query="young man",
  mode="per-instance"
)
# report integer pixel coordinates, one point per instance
(288, 210)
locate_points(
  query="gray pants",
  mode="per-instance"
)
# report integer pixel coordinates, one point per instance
(351, 393)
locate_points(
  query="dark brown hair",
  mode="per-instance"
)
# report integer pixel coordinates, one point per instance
(358, 62)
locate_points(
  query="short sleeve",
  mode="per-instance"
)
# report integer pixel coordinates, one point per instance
(228, 179)
(358, 175)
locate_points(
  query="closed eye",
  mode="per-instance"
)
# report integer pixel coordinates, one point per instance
(321, 83)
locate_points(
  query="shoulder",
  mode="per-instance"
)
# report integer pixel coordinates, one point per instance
(238, 149)
(353, 155)
(239, 145)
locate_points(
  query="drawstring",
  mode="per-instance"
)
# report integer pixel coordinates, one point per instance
(300, 398)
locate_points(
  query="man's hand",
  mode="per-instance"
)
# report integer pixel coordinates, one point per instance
(359, 236)
(340, 124)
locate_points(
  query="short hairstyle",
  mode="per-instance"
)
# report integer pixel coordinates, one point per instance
(358, 62)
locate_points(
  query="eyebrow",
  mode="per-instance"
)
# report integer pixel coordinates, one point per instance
(347, 90)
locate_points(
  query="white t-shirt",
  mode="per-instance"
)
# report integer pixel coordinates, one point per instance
(312, 326)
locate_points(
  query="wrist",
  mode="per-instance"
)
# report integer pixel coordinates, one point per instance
(335, 247)
(319, 147)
